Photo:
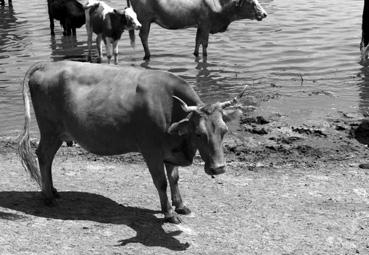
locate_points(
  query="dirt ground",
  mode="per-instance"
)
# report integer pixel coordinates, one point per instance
(290, 188)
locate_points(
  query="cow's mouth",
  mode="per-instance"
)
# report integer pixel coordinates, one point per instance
(260, 17)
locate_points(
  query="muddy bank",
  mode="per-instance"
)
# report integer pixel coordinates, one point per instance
(290, 188)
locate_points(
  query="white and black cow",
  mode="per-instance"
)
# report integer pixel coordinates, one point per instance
(108, 24)
(112, 110)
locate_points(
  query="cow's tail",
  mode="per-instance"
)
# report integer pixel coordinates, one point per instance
(28, 159)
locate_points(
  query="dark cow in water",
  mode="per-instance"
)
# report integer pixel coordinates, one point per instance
(209, 16)
(108, 24)
(70, 13)
(365, 34)
(112, 110)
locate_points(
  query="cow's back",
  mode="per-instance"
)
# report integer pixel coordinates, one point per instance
(106, 109)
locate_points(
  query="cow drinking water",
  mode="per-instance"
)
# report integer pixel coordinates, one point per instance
(209, 16)
(112, 110)
(108, 24)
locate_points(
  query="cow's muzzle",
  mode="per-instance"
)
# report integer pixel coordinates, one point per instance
(261, 16)
(215, 171)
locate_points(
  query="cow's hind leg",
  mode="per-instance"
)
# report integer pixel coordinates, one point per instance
(99, 47)
(156, 168)
(48, 146)
(173, 177)
(144, 35)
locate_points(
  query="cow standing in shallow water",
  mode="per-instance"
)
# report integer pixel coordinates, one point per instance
(209, 16)
(110, 110)
(70, 13)
(364, 44)
(108, 24)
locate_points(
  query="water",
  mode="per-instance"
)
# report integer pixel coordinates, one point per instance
(301, 61)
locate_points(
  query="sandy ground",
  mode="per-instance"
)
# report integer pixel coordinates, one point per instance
(290, 188)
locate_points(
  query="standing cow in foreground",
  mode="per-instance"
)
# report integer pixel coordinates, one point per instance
(108, 24)
(70, 13)
(110, 110)
(209, 16)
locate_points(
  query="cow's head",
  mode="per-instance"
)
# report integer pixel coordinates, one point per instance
(206, 127)
(250, 9)
(131, 17)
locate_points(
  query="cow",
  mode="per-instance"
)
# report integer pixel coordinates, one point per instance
(70, 13)
(209, 16)
(112, 110)
(364, 48)
(108, 24)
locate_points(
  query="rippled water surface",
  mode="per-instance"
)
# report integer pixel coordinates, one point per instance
(302, 59)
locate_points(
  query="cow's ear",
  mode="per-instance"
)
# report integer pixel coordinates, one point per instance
(179, 128)
(231, 114)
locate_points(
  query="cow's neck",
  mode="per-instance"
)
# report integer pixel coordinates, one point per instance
(221, 20)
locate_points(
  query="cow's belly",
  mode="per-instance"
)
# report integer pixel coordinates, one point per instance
(102, 143)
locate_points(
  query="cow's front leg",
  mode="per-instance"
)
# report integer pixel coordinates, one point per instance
(144, 35)
(51, 18)
(197, 42)
(115, 51)
(173, 177)
(156, 168)
(202, 37)
(109, 48)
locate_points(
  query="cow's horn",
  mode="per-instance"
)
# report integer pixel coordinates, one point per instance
(234, 100)
(185, 107)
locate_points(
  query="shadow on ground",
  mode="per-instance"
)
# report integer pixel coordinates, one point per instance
(93, 207)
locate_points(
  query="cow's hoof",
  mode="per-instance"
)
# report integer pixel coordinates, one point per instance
(56, 193)
(184, 210)
(175, 219)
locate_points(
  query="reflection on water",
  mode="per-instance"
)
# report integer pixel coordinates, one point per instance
(313, 40)
(68, 48)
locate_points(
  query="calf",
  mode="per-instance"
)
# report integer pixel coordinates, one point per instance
(70, 13)
(108, 24)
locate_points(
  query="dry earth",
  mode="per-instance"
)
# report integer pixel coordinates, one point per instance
(290, 188)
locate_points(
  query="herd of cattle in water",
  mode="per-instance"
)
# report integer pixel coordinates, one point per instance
(111, 110)
(208, 16)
